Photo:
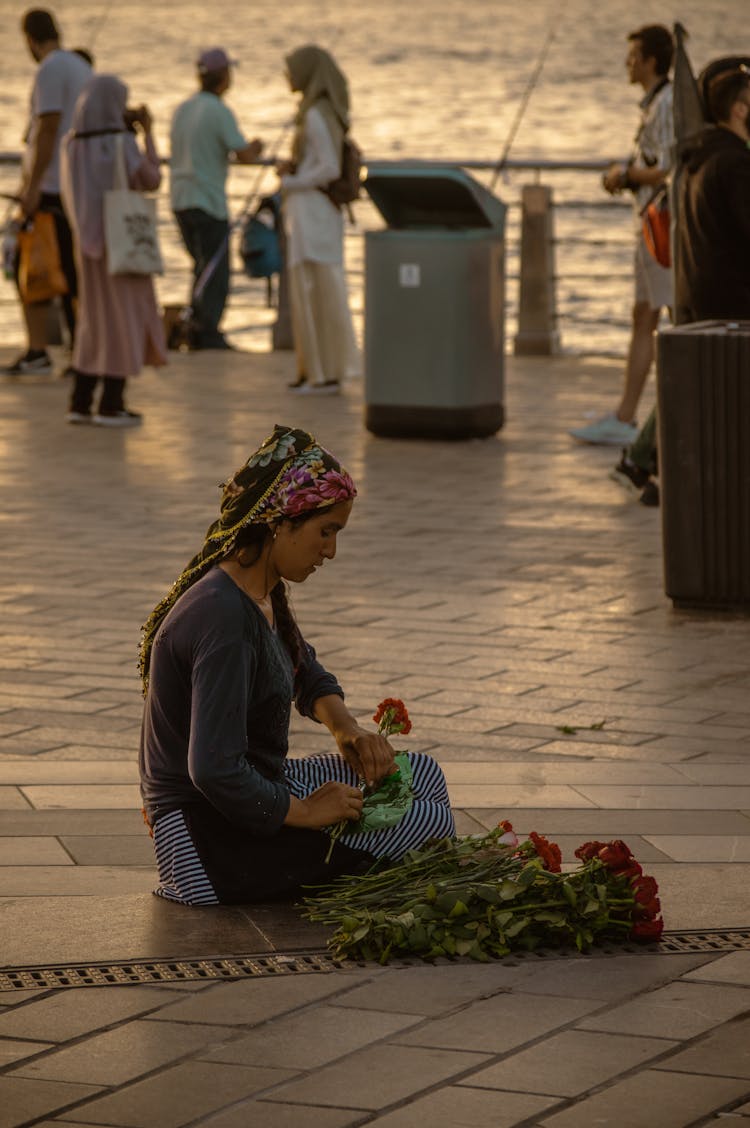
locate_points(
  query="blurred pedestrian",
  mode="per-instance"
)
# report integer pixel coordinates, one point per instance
(324, 340)
(119, 328)
(713, 229)
(648, 63)
(204, 136)
(713, 242)
(60, 77)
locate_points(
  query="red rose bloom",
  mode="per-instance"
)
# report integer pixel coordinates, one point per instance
(391, 716)
(507, 826)
(588, 851)
(615, 855)
(648, 910)
(549, 852)
(647, 930)
(645, 889)
(633, 870)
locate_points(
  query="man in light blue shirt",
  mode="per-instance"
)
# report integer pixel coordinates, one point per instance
(204, 136)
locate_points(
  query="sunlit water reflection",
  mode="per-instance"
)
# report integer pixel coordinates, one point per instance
(429, 80)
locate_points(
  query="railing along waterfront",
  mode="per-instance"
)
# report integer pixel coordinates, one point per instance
(590, 247)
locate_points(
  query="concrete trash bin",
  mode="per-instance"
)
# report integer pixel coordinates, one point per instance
(434, 304)
(703, 407)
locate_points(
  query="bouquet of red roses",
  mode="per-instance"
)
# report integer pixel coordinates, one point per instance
(621, 867)
(485, 896)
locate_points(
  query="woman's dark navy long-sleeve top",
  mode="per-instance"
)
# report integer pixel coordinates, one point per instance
(216, 718)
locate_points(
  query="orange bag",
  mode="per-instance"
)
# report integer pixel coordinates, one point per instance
(656, 224)
(40, 275)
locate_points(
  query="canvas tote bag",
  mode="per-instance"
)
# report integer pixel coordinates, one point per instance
(130, 232)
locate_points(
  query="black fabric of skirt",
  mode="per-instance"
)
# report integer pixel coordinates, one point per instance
(243, 867)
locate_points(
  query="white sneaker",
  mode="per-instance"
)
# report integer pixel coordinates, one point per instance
(330, 388)
(122, 418)
(607, 431)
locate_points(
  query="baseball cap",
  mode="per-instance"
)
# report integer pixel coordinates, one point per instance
(214, 59)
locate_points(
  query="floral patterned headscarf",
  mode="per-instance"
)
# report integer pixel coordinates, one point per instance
(291, 474)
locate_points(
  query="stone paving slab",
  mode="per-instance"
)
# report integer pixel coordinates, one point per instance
(680, 1010)
(47, 930)
(571, 1063)
(180, 1094)
(382, 1075)
(671, 1100)
(512, 596)
(281, 1116)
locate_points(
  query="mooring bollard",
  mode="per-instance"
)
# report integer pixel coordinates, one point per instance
(537, 316)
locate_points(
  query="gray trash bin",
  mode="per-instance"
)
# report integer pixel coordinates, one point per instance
(703, 396)
(434, 304)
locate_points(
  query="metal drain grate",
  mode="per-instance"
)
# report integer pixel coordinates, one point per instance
(165, 971)
(242, 967)
(720, 940)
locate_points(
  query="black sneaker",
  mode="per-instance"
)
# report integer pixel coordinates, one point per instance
(650, 494)
(631, 477)
(34, 362)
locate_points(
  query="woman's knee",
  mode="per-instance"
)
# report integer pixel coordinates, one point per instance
(427, 773)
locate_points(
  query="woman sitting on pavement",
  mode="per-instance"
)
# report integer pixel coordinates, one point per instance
(233, 819)
(324, 342)
(119, 328)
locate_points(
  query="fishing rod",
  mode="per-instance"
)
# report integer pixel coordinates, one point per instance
(530, 85)
(97, 24)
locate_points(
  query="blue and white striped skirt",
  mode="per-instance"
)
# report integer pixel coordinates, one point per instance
(182, 875)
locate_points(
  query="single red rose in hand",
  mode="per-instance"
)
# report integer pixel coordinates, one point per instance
(615, 855)
(391, 717)
(588, 851)
(647, 929)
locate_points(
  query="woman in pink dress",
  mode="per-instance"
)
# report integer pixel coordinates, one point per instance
(119, 327)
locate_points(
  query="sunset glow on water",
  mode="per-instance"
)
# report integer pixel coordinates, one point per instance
(428, 79)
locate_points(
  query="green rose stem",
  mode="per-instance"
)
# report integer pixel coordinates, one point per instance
(394, 790)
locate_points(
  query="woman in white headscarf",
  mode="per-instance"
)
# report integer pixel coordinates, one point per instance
(119, 327)
(321, 321)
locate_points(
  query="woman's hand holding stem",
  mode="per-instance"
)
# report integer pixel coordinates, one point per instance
(368, 753)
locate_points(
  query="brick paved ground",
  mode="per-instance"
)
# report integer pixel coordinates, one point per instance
(509, 593)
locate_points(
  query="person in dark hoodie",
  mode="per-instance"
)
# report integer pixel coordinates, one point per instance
(712, 276)
(713, 233)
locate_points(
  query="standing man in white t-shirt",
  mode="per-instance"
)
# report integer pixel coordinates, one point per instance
(648, 62)
(204, 137)
(60, 77)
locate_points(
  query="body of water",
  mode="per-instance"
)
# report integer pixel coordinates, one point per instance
(428, 80)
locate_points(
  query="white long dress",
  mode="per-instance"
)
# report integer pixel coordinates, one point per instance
(321, 320)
